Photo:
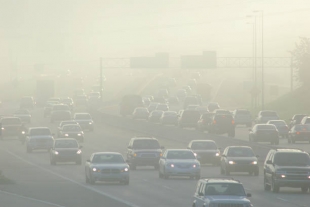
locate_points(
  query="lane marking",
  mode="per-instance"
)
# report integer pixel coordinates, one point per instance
(73, 181)
(31, 199)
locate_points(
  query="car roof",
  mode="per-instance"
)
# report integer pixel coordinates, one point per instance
(240, 147)
(221, 180)
(178, 150)
(290, 150)
(203, 140)
(143, 138)
(106, 153)
(38, 128)
(66, 139)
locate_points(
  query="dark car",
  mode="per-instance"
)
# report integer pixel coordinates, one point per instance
(299, 132)
(190, 100)
(66, 150)
(68, 101)
(27, 102)
(281, 127)
(144, 151)
(155, 116)
(264, 133)
(11, 126)
(72, 131)
(169, 118)
(189, 118)
(222, 124)
(24, 115)
(266, 115)
(62, 123)
(287, 168)
(48, 108)
(296, 119)
(204, 121)
(212, 106)
(206, 151)
(84, 120)
(239, 159)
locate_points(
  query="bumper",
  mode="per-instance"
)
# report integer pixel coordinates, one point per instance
(182, 172)
(110, 177)
(292, 183)
(242, 168)
(67, 158)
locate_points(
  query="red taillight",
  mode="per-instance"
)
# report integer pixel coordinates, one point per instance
(214, 121)
(233, 121)
(297, 132)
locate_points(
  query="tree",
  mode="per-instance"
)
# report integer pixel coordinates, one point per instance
(301, 61)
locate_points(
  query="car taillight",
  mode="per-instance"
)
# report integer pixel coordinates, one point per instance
(297, 132)
(214, 121)
(233, 121)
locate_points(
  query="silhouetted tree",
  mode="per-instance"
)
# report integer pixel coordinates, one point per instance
(301, 61)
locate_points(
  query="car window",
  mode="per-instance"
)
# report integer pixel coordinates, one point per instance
(108, 158)
(232, 189)
(203, 146)
(240, 152)
(40, 131)
(145, 144)
(66, 144)
(11, 121)
(71, 128)
(180, 155)
(292, 159)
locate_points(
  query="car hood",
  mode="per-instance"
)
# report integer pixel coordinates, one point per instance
(181, 161)
(109, 165)
(242, 158)
(228, 199)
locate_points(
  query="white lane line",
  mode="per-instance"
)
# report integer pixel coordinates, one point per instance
(31, 199)
(73, 181)
(282, 199)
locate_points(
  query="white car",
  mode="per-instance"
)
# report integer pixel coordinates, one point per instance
(84, 120)
(106, 166)
(179, 162)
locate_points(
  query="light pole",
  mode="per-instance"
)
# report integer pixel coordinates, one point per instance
(263, 81)
(101, 81)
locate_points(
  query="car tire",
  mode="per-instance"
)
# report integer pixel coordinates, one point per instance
(266, 186)
(304, 189)
(274, 187)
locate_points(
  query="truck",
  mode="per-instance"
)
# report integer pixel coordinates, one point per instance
(45, 89)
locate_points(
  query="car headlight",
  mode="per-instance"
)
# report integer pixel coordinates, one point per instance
(90, 122)
(79, 152)
(23, 132)
(231, 162)
(2, 128)
(161, 154)
(56, 153)
(195, 165)
(217, 154)
(254, 163)
(126, 169)
(66, 135)
(79, 134)
(172, 165)
(95, 169)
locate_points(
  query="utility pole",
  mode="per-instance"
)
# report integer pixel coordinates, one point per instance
(292, 75)
(101, 81)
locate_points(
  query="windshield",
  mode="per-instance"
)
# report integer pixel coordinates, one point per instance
(180, 155)
(232, 189)
(292, 159)
(7, 121)
(240, 152)
(108, 158)
(266, 127)
(82, 116)
(40, 131)
(66, 144)
(145, 144)
(203, 146)
(72, 128)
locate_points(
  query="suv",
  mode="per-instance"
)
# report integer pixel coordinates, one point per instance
(220, 192)
(305, 120)
(264, 116)
(287, 168)
(11, 126)
(242, 116)
(221, 124)
(143, 151)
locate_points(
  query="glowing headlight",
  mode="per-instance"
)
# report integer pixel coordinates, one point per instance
(135, 155)
(90, 122)
(283, 176)
(56, 153)
(23, 132)
(231, 162)
(79, 152)
(94, 169)
(254, 162)
(2, 128)
(171, 165)
(195, 154)
(217, 154)
(66, 135)
(126, 169)
(79, 134)
(160, 154)
(194, 165)
(309, 176)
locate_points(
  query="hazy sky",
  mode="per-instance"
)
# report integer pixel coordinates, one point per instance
(56, 31)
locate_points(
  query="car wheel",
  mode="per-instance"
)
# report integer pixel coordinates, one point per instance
(304, 189)
(266, 186)
(274, 187)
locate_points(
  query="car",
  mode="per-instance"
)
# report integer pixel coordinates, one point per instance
(173, 100)
(296, 119)
(220, 192)
(155, 116)
(38, 138)
(11, 126)
(299, 132)
(287, 168)
(48, 108)
(239, 159)
(72, 131)
(162, 107)
(27, 102)
(192, 83)
(242, 117)
(24, 115)
(305, 120)
(190, 100)
(189, 118)
(60, 116)
(281, 127)
(179, 162)
(206, 151)
(202, 109)
(152, 106)
(68, 101)
(143, 151)
(204, 121)
(264, 133)
(222, 124)
(188, 89)
(66, 150)
(169, 118)
(84, 120)
(181, 94)
(106, 166)
(140, 113)
(266, 115)
(213, 106)
(62, 123)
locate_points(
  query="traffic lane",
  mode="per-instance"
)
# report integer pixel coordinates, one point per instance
(37, 184)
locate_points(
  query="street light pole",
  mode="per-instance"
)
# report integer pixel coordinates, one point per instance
(253, 61)
(101, 77)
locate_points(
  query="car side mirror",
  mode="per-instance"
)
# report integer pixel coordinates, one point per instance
(88, 160)
(248, 195)
(269, 162)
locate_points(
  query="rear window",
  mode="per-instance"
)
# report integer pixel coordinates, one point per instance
(40, 131)
(145, 144)
(240, 152)
(204, 146)
(266, 127)
(269, 113)
(11, 121)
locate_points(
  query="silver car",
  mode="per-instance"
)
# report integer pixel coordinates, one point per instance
(106, 166)
(39, 138)
(24, 115)
(179, 162)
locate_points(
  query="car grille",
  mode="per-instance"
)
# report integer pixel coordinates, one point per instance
(148, 155)
(297, 175)
(110, 171)
(243, 162)
(183, 166)
(229, 205)
(67, 153)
